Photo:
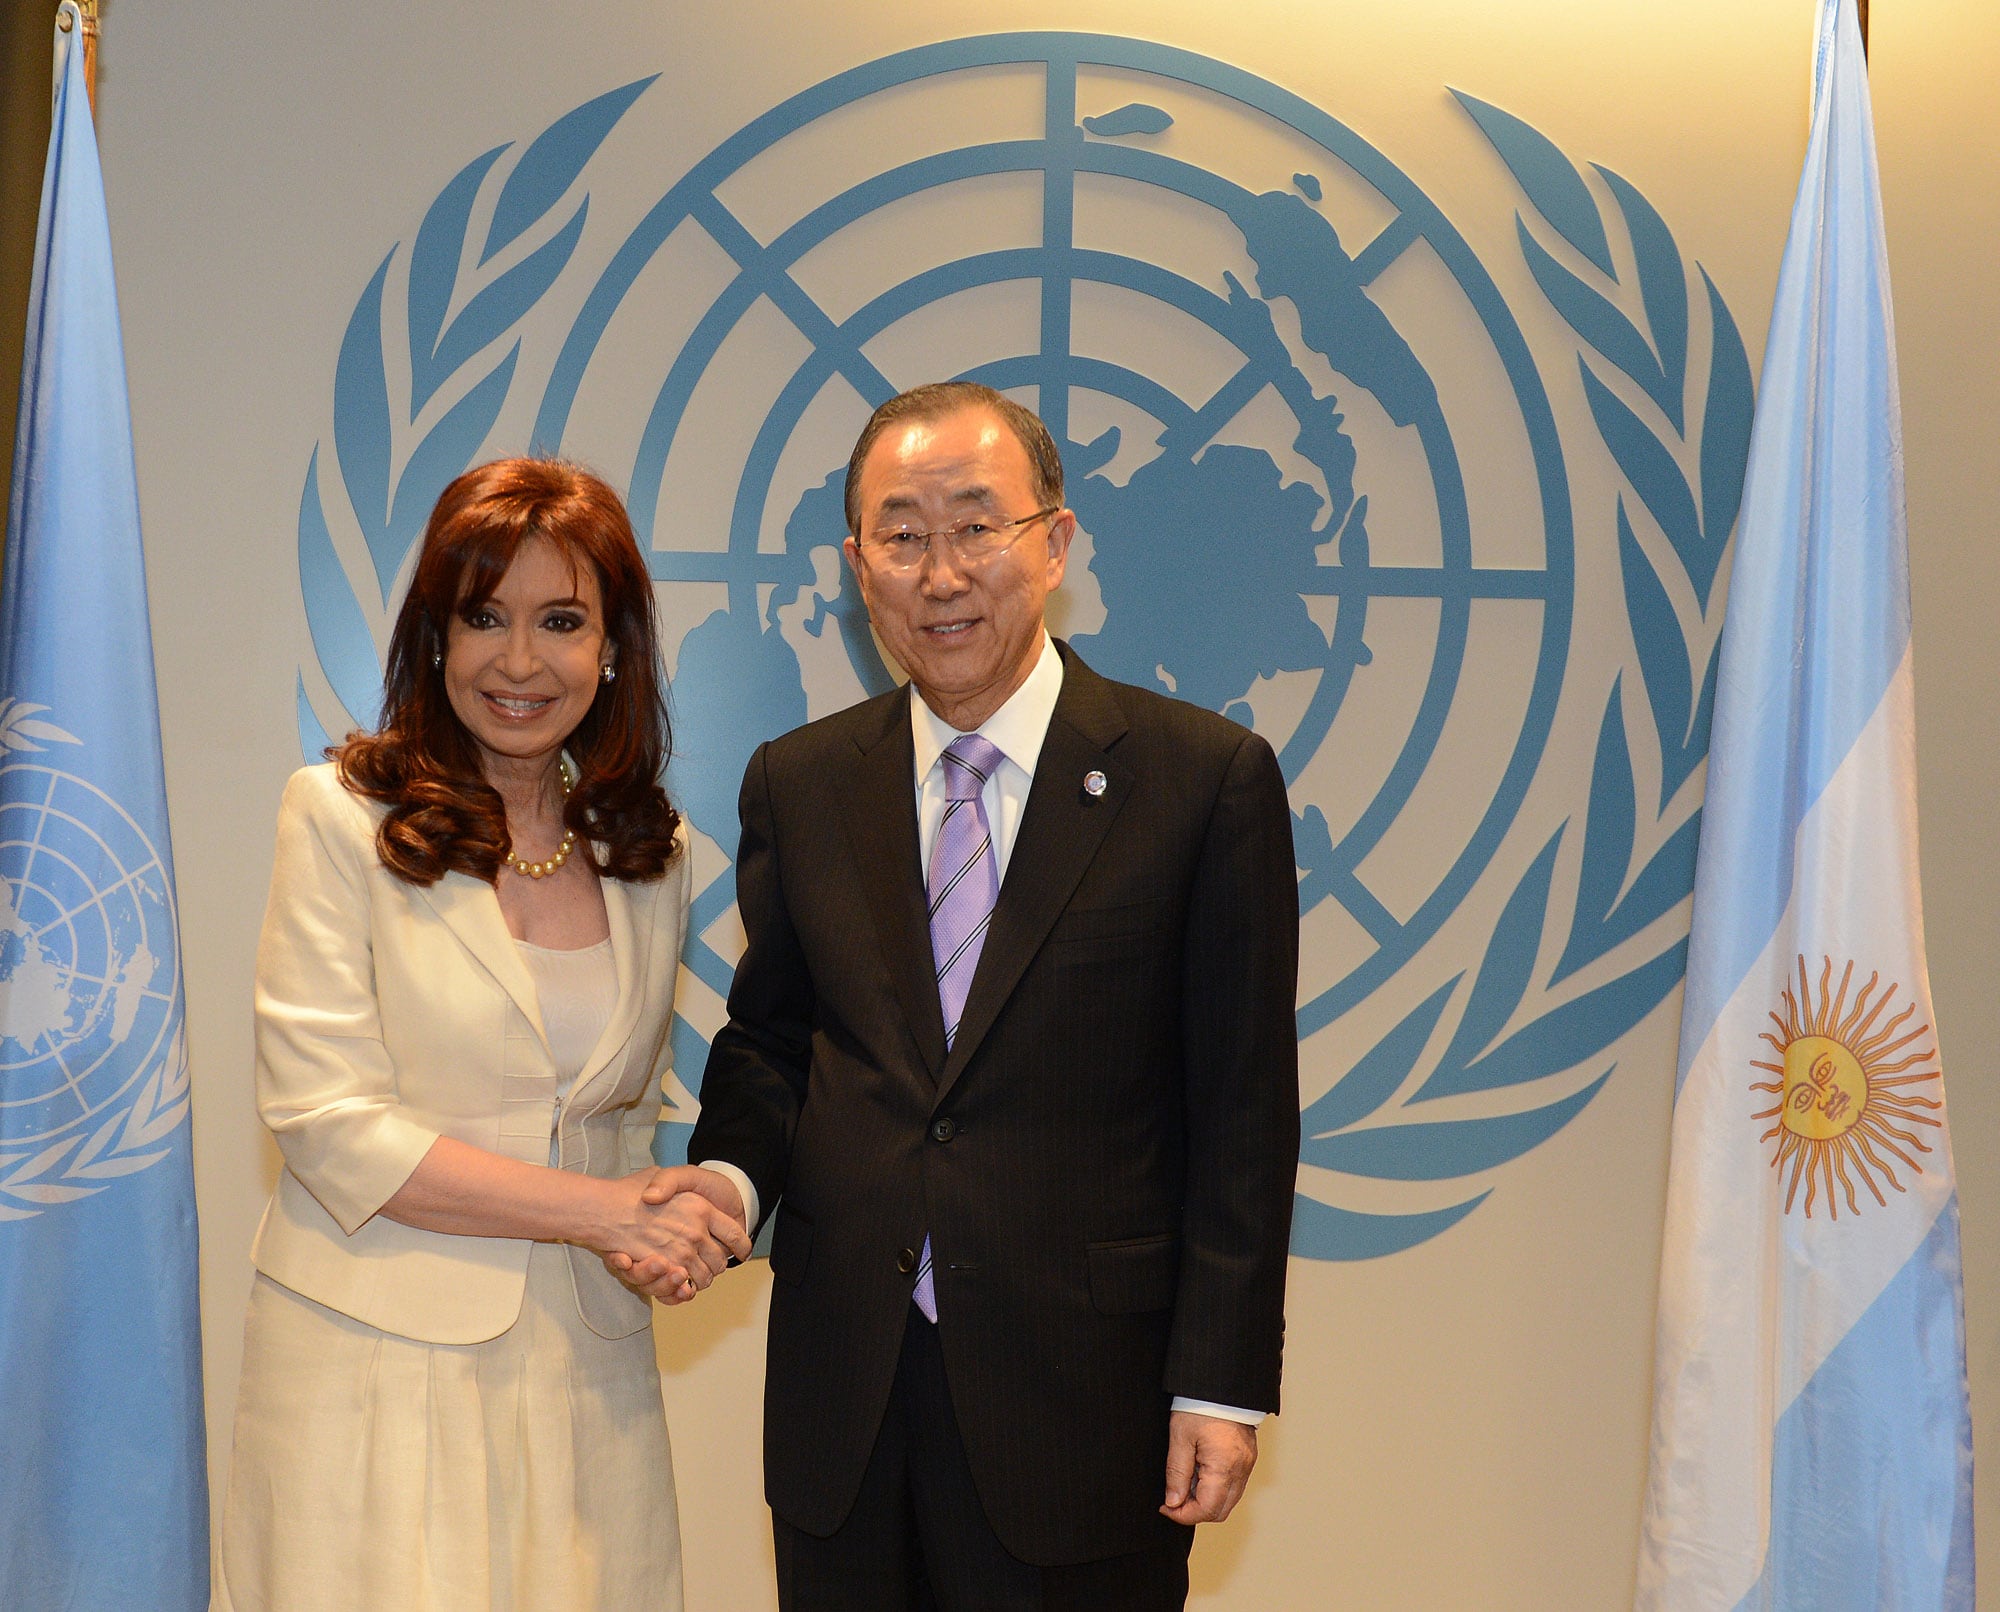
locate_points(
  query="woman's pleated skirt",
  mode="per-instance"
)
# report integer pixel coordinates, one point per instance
(530, 1473)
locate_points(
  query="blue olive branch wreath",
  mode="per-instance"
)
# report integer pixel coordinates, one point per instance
(389, 505)
(1617, 896)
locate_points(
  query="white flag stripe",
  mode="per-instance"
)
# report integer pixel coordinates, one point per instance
(1875, 918)
(1710, 1483)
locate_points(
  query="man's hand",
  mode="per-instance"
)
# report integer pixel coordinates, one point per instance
(689, 1225)
(713, 1185)
(1208, 1462)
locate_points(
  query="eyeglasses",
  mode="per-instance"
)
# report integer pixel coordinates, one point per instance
(972, 542)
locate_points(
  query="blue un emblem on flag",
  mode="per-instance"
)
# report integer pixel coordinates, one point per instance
(92, 1074)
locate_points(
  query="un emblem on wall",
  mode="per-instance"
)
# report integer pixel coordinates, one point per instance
(92, 1069)
(1319, 479)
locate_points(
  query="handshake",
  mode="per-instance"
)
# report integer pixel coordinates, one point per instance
(673, 1231)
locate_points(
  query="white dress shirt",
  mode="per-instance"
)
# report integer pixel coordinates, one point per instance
(1016, 730)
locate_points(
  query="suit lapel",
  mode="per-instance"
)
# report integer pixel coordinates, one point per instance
(631, 948)
(471, 911)
(880, 805)
(1061, 829)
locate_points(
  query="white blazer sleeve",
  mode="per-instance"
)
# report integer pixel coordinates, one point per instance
(325, 1083)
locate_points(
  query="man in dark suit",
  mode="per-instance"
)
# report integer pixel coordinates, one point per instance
(1011, 1052)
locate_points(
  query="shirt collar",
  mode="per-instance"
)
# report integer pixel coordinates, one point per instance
(1017, 728)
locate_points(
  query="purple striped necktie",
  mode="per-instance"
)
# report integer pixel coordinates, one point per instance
(964, 883)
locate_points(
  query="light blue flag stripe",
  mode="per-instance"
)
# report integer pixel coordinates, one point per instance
(104, 1500)
(1859, 1446)
(1825, 463)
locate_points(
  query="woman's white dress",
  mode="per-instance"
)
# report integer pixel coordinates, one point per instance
(529, 1473)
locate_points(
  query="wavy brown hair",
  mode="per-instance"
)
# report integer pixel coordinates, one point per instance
(423, 764)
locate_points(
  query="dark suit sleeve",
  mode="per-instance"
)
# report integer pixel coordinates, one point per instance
(1239, 982)
(755, 1082)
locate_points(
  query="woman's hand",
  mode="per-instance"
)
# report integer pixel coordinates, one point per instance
(679, 1230)
(673, 1230)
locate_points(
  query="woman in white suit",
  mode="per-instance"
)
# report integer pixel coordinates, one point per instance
(464, 987)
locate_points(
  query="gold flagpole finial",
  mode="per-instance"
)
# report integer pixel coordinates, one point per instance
(87, 9)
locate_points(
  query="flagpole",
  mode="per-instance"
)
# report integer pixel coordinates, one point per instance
(88, 9)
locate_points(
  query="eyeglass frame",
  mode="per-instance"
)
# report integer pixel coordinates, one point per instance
(873, 543)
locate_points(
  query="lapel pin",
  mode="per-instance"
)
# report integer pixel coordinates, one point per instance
(1093, 783)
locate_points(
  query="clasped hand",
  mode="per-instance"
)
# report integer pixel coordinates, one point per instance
(678, 1230)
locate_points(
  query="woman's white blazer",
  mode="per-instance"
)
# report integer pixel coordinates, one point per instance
(388, 1015)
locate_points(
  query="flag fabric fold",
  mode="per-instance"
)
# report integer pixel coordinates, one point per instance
(1812, 1447)
(103, 1502)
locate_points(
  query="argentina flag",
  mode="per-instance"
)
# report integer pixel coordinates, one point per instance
(1812, 1447)
(103, 1502)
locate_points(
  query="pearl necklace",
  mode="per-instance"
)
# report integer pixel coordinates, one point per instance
(541, 870)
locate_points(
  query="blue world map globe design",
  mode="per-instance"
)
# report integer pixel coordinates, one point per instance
(89, 963)
(1206, 557)
(1319, 484)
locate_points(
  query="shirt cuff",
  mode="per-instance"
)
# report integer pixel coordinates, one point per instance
(1227, 1413)
(741, 1182)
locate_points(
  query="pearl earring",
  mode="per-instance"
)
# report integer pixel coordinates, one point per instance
(437, 658)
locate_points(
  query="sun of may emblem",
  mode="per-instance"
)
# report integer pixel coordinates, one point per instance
(1838, 1090)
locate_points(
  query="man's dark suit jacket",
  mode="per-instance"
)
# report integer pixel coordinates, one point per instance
(1104, 1161)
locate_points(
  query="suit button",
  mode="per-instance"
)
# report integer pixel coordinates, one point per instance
(906, 1261)
(943, 1130)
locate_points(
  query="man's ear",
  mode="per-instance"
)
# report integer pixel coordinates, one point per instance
(1062, 527)
(851, 547)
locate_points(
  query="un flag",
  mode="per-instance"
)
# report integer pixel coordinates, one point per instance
(100, 1358)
